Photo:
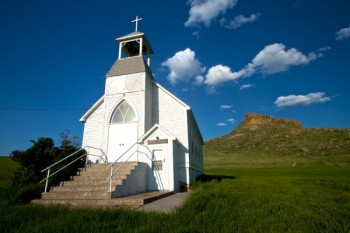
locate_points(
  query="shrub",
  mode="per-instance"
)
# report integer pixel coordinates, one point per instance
(27, 193)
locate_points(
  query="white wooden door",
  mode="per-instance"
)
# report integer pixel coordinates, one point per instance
(121, 142)
(159, 169)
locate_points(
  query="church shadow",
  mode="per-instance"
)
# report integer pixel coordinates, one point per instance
(208, 178)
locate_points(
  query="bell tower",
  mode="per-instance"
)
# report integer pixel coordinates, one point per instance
(129, 81)
(135, 44)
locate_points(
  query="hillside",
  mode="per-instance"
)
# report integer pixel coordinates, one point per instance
(264, 137)
(7, 167)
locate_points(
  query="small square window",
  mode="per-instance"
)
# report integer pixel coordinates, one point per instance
(157, 165)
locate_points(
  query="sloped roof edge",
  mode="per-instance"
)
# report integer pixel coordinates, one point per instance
(92, 109)
(172, 96)
(154, 128)
(188, 108)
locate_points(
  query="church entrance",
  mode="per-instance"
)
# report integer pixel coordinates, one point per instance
(159, 168)
(121, 140)
(122, 134)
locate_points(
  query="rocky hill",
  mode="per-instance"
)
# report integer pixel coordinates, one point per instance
(265, 135)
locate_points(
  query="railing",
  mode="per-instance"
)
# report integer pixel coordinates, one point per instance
(110, 178)
(67, 165)
(103, 155)
(112, 173)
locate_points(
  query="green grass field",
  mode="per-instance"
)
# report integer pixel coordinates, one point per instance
(272, 199)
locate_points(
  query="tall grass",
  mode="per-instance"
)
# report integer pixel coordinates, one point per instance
(279, 199)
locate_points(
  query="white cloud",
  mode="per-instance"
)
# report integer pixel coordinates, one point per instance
(205, 11)
(198, 80)
(196, 34)
(292, 100)
(219, 74)
(183, 66)
(230, 120)
(323, 49)
(222, 124)
(225, 106)
(239, 20)
(343, 33)
(275, 58)
(246, 86)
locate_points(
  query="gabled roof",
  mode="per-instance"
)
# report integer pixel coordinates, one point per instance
(92, 109)
(129, 65)
(172, 96)
(152, 130)
(188, 108)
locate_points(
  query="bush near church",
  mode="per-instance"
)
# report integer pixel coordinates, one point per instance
(39, 156)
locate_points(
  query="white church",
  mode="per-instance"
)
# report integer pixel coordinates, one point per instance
(138, 120)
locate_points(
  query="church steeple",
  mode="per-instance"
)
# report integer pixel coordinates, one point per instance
(135, 44)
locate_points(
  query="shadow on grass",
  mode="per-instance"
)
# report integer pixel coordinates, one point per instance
(209, 178)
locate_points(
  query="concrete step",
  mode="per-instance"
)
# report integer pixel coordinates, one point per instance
(133, 201)
(91, 182)
(105, 172)
(83, 195)
(98, 177)
(84, 188)
(104, 166)
(95, 203)
(89, 188)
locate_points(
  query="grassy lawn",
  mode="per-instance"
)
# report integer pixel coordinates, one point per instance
(313, 198)
(279, 199)
(7, 167)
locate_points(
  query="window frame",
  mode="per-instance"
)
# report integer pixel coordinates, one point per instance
(123, 114)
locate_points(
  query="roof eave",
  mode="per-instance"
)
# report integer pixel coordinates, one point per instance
(92, 109)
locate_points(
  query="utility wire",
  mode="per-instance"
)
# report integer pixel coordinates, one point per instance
(40, 109)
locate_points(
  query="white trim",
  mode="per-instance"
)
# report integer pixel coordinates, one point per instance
(172, 96)
(115, 107)
(92, 109)
(154, 128)
(132, 35)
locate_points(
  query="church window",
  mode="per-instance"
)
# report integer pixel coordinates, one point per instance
(123, 113)
(157, 165)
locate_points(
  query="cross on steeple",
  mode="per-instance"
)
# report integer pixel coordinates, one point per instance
(136, 21)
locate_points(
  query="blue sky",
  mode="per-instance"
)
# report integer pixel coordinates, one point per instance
(224, 58)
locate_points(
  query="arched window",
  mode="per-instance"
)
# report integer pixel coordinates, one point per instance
(123, 113)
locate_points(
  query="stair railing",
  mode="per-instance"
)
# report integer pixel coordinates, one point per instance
(103, 155)
(110, 178)
(65, 158)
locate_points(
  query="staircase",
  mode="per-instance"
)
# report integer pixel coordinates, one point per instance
(90, 189)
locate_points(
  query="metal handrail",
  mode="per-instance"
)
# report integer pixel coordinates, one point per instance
(105, 156)
(52, 165)
(48, 173)
(121, 155)
(110, 178)
(58, 162)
